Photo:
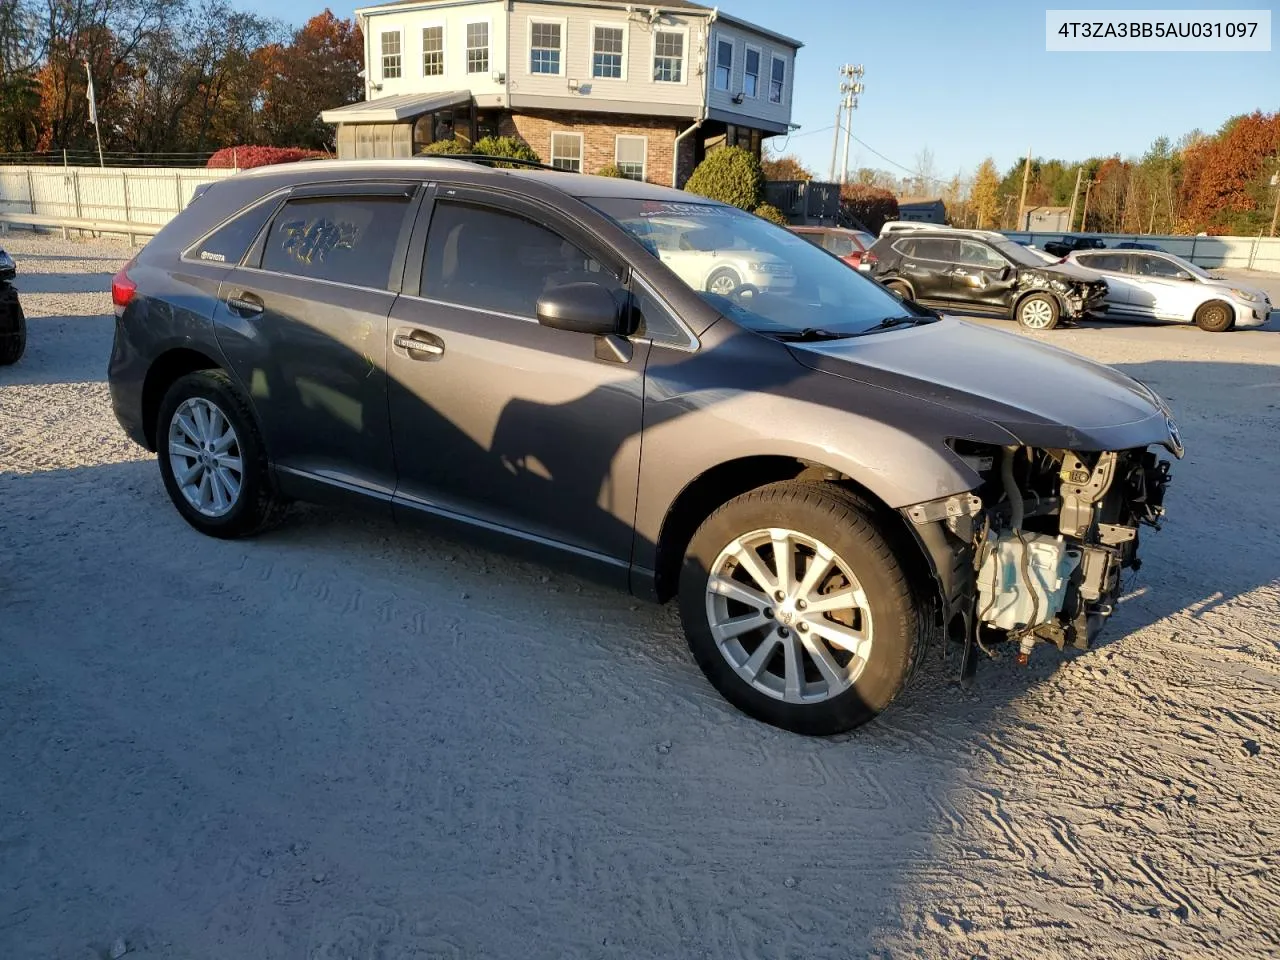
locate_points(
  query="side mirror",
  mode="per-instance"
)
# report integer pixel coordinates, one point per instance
(1005, 271)
(582, 307)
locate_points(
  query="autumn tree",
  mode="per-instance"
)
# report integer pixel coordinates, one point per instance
(985, 194)
(317, 70)
(785, 167)
(1227, 178)
(869, 205)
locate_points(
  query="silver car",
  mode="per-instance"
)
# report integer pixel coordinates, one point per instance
(1149, 285)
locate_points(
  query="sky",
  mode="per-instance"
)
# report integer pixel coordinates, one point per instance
(971, 80)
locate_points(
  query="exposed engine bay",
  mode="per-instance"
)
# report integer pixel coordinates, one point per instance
(1040, 547)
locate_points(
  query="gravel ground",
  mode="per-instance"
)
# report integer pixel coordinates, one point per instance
(347, 740)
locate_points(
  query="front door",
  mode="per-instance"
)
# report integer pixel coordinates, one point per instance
(303, 324)
(982, 276)
(497, 419)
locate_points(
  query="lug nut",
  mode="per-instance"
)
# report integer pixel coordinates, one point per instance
(784, 632)
(779, 596)
(802, 627)
(800, 604)
(768, 612)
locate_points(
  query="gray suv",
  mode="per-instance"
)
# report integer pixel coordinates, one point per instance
(828, 479)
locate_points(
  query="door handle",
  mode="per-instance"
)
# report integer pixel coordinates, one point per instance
(420, 345)
(246, 304)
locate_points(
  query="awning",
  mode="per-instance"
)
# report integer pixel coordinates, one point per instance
(402, 106)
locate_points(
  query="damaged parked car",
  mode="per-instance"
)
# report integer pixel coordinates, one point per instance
(984, 272)
(13, 322)
(827, 479)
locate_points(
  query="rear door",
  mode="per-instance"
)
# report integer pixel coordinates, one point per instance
(982, 276)
(1115, 269)
(926, 264)
(303, 323)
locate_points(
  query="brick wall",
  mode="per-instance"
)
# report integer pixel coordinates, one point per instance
(598, 132)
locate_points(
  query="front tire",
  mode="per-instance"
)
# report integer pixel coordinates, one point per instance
(13, 327)
(724, 282)
(798, 610)
(1038, 312)
(1215, 317)
(212, 458)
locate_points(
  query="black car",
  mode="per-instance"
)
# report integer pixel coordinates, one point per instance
(1136, 245)
(983, 272)
(13, 324)
(1060, 248)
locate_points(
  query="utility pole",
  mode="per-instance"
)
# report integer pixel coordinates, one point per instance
(1084, 217)
(1071, 217)
(1022, 203)
(1275, 214)
(835, 139)
(850, 86)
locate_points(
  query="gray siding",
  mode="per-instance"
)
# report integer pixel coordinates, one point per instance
(759, 106)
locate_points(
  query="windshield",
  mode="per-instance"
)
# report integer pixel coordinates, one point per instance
(760, 275)
(1018, 253)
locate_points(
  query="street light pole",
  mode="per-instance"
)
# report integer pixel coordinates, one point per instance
(1275, 214)
(1084, 217)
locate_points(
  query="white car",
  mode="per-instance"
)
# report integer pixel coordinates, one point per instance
(715, 263)
(1146, 285)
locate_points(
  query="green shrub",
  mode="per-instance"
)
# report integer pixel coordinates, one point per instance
(610, 170)
(453, 145)
(772, 214)
(731, 175)
(512, 147)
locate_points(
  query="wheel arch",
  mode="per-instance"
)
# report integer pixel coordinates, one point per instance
(164, 371)
(721, 483)
(1051, 294)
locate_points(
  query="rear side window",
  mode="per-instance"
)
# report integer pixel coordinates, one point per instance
(906, 247)
(229, 243)
(492, 260)
(1114, 262)
(841, 244)
(349, 240)
(932, 248)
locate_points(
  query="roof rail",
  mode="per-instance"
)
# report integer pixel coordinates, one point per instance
(491, 160)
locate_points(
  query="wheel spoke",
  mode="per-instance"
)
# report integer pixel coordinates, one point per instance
(226, 440)
(758, 660)
(824, 661)
(219, 493)
(201, 416)
(188, 426)
(849, 599)
(733, 590)
(228, 462)
(816, 570)
(855, 641)
(190, 474)
(737, 626)
(179, 449)
(229, 483)
(782, 559)
(751, 562)
(204, 490)
(794, 666)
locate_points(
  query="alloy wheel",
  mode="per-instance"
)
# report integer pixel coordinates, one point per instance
(723, 285)
(204, 453)
(1037, 314)
(788, 615)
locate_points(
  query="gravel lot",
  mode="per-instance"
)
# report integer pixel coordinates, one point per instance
(347, 740)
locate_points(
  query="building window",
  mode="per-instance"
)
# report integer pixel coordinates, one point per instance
(724, 64)
(566, 151)
(478, 47)
(668, 56)
(606, 52)
(432, 51)
(629, 155)
(544, 47)
(751, 73)
(777, 79)
(391, 55)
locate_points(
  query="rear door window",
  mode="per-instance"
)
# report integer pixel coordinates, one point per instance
(980, 255)
(349, 240)
(841, 244)
(936, 248)
(489, 259)
(1110, 262)
(229, 243)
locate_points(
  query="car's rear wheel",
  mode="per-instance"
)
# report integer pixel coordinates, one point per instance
(13, 327)
(1038, 312)
(1215, 316)
(724, 282)
(797, 608)
(212, 458)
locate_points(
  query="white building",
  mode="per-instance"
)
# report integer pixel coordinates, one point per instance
(586, 84)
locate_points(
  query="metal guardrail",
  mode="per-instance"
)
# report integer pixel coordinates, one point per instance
(130, 230)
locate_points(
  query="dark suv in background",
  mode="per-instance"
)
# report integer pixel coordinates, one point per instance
(982, 271)
(827, 478)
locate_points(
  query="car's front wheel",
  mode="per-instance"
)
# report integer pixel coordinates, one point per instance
(1038, 312)
(1215, 317)
(212, 458)
(797, 608)
(724, 281)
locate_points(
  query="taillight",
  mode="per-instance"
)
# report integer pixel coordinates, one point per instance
(123, 288)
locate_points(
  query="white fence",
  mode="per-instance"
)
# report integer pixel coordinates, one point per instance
(117, 195)
(1255, 253)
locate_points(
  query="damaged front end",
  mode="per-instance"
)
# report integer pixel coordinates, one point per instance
(1036, 552)
(1079, 296)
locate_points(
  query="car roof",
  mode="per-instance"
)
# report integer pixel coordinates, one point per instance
(577, 185)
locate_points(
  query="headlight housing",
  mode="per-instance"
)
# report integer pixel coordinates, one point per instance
(1244, 295)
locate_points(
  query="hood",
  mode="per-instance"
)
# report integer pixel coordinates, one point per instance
(1044, 396)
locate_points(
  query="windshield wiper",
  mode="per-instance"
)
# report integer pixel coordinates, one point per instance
(890, 322)
(808, 335)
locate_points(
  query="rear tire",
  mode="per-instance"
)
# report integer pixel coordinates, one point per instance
(205, 431)
(838, 646)
(13, 328)
(1038, 312)
(1215, 317)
